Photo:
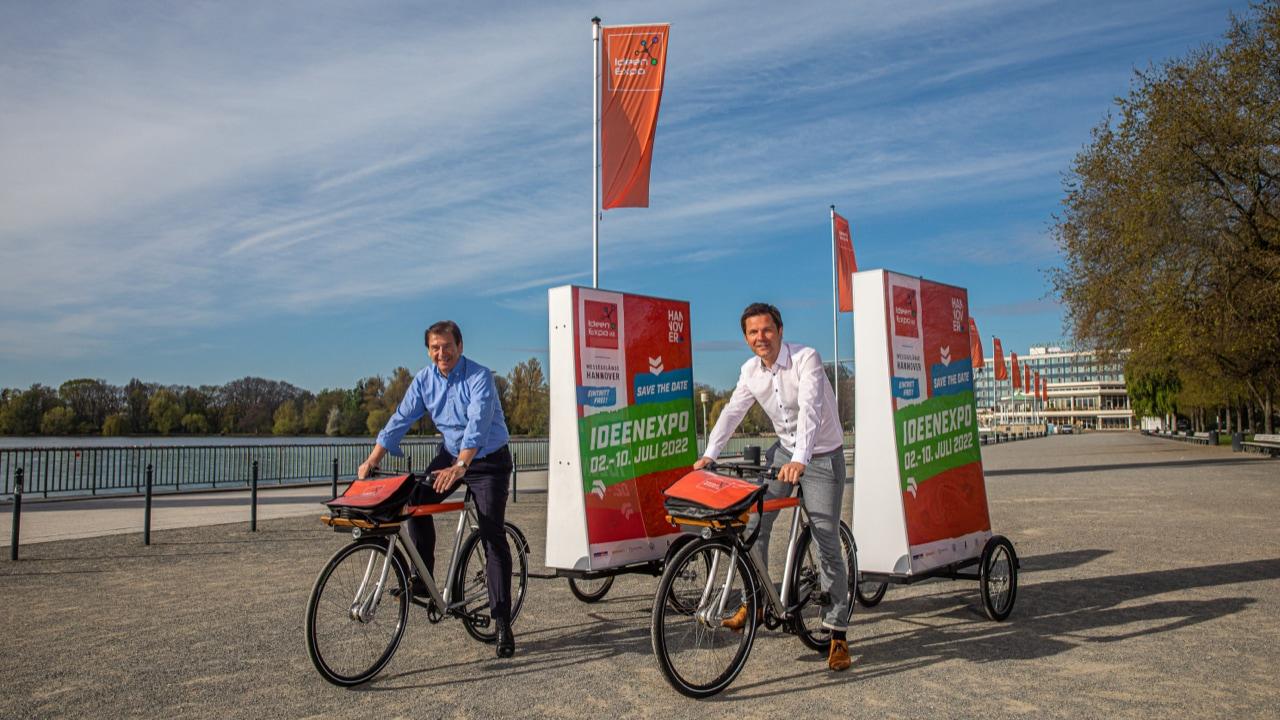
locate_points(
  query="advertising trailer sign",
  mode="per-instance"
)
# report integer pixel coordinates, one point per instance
(920, 500)
(622, 425)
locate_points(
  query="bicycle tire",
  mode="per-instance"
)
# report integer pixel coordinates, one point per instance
(871, 592)
(590, 590)
(683, 643)
(998, 578)
(471, 583)
(333, 597)
(805, 578)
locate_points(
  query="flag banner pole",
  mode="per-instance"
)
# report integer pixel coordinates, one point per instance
(835, 319)
(595, 153)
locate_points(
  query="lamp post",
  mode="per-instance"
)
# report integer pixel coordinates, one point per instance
(702, 395)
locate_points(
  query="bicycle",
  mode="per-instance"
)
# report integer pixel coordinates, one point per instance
(348, 638)
(706, 581)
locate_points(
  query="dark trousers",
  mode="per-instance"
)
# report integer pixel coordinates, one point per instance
(488, 478)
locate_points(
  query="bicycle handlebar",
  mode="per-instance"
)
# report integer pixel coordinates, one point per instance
(759, 471)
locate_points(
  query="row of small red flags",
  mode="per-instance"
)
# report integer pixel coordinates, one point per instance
(1025, 379)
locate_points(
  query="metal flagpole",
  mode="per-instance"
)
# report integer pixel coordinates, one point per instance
(835, 318)
(595, 155)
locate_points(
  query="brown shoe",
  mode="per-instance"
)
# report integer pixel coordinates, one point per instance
(739, 619)
(838, 658)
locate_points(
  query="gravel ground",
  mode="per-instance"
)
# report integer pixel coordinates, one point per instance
(1150, 587)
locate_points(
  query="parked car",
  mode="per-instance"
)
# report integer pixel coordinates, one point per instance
(1065, 429)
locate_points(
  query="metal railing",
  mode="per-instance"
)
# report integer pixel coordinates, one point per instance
(78, 471)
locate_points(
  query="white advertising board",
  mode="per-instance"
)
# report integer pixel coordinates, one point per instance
(919, 497)
(622, 425)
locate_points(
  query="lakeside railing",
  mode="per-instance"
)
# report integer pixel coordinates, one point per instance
(78, 471)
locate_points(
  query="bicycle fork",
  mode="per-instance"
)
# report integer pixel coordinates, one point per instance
(364, 607)
(710, 614)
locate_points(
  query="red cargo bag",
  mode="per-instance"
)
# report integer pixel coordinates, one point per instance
(380, 498)
(704, 495)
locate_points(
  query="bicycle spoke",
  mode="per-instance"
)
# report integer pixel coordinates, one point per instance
(349, 649)
(695, 648)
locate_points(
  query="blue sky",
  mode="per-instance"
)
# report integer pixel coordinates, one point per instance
(195, 192)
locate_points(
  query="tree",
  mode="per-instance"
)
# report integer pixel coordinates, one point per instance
(165, 411)
(58, 421)
(195, 423)
(530, 399)
(376, 420)
(1171, 222)
(317, 411)
(249, 404)
(116, 424)
(24, 411)
(353, 418)
(287, 420)
(399, 384)
(91, 401)
(136, 395)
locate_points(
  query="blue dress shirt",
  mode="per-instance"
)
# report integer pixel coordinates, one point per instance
(464, 406)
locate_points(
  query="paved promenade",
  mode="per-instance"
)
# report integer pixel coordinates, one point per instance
(1150, 588)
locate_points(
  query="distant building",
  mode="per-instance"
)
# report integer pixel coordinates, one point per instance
(1084, 392)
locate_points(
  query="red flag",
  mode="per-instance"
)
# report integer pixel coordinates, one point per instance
(846, 263)
(1026, 380)
(1044, 390)
(975, 345)
(1017, 373)
(1002, 372)
(633, 66)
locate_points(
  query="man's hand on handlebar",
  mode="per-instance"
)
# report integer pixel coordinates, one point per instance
(791, 472)
(447, 478)
(366, 470)
(703, 462)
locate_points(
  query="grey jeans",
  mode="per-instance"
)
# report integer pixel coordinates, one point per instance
(823, 485)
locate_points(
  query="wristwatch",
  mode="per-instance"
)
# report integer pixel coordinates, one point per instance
(461, 464)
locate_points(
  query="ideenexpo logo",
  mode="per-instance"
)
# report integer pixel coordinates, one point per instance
(906, 323)
(602, 324)
(631, 57)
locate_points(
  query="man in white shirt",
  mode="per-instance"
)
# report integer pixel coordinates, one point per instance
(791, 386)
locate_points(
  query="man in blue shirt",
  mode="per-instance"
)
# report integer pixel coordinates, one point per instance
(462, 400)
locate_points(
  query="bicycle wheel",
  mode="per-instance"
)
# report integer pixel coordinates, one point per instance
(350, 638)
(871, 592)
(806, 588)
(470, 582)
(998, 577)
(700, 588)
(590, 590)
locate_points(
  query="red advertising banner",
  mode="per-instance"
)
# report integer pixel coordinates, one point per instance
(1002, 372)
(943, 494)
(1017, 372)
(633, 376)
(975, 345)
(634, 64)
(846, 263)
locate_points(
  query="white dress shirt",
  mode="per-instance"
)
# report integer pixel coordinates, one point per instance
(797, 397)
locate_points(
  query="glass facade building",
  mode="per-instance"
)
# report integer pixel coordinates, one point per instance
(1085, 391)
